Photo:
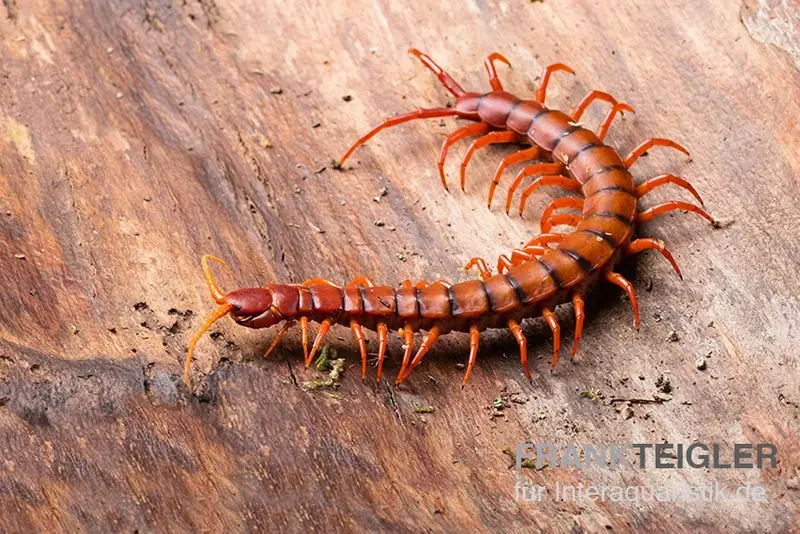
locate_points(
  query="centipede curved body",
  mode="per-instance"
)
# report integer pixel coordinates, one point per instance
(551, 269)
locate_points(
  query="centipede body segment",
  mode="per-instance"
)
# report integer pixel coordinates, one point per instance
(551, 269)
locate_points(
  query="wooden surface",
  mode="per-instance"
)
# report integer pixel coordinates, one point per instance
(137, 136)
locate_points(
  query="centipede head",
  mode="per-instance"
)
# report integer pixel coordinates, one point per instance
(252, 307)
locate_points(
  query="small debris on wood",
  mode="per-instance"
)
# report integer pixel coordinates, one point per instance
(498, 405)
(327, 361)
(657, 399)
(347, 98)
(319, 170)
(379, 223)
(663, 384)
(701, 364)
(335, 164)
(316, 228)
(323, 364)
(19, 256)
(527, 463)
(673, 336)
(316, 124)
(661, 397)
(592, 394)
(275, 90)
(382, 193)
(424, 409)
(262, 141)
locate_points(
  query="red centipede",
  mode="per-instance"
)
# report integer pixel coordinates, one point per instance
(551, 269)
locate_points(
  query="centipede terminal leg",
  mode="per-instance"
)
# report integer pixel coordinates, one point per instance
(488, 63)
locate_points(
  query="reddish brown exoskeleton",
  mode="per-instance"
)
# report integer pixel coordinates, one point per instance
(552, 268)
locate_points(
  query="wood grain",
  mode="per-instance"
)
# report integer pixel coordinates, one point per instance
(137, 136)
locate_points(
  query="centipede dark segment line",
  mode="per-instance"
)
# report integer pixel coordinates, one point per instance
(551, 269)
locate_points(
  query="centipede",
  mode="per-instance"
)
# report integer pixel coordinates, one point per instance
(553, 268)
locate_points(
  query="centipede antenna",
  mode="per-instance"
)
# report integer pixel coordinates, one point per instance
(216, 292)
(215, 316)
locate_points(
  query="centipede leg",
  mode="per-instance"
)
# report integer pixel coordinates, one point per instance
(618, 280)
(422, 284)
(362, 346)
(541, 93)
(304, 336)
(465, 131)
(587, 100)
(570, 219)
(383, 341)
(672, 205)
(568, 183)
(577, 304)
(446, 80)
(511, 159)
(427, 343)
(530, 170)
(483, 269)
(552, 322)
(286, 326)
(647, 243)
(324, 326)
(647, 144)
(612, 113)
(647, 186)
(558, 203)
(519, 335)
(544, 239)
(531, 250)
(474, 340)
(431, 113)
(408, 345)
(494, 81)
(518, 256)
(319, 282)
(490, 138)
(363, 281)
(503, 263)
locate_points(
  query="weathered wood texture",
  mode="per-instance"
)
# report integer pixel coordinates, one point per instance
(136, 136)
